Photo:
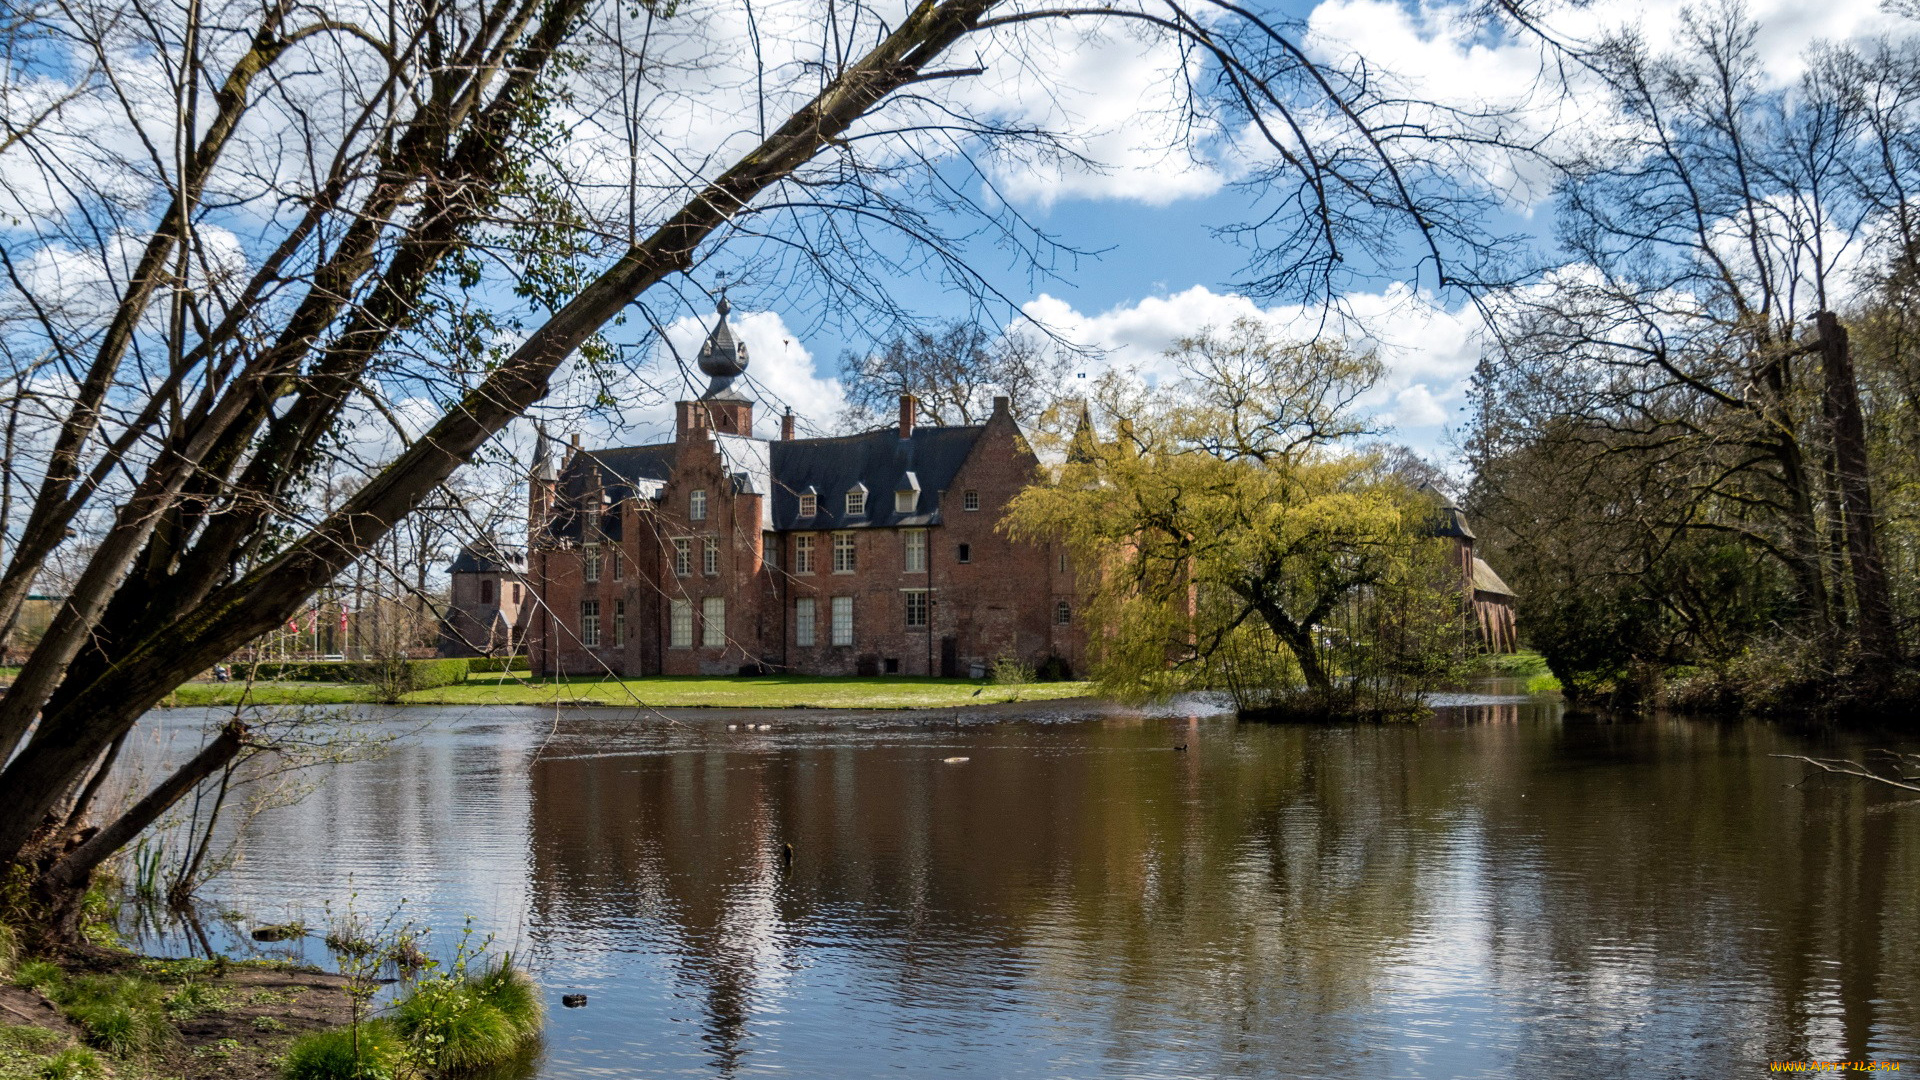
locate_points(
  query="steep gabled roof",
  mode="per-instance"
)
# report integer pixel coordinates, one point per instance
(880, 459)
(488, 560)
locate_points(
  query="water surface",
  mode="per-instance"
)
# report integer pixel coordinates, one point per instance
(1505, 891)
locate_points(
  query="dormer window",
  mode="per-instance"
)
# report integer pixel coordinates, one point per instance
(697, 505)
(857, 501)
(809, 503)
(906, 499)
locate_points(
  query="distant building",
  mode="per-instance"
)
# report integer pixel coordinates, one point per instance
(490, 603)
(722, 552)
(1489, 601)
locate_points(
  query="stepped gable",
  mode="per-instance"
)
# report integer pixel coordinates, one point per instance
(625, 472)
(881, 460)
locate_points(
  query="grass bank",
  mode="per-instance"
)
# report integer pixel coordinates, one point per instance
(757, 692)
(132, 1017)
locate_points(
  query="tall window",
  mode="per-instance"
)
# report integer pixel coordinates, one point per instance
(905, 501)
(486, 591)
(770, 550)
(680, 624)
(843, 620)
(843, 553)
(619, 624)
(1064, 567)
(590, 561)
(915, 561)
(613, 561)
(803, 619)
(713, 622)
(966, 552)
(1062, 613)
(682, 556)
(590, 623)
(970, 501)
(809, 504)
(516, 592)
(803, 554)
(856, 503)
(697, 505)
(916, 607)
(710, 555)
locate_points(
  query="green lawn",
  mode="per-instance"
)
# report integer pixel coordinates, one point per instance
(820, 692)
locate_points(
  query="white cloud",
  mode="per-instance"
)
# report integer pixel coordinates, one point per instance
(1429, 351)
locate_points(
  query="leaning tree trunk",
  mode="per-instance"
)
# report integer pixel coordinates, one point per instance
(1849, 433)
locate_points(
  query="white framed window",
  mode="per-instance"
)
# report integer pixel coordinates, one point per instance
(590, 623)
(803, 620)
(916, 607)
(843, 620)
(619, 624)
(856, 502)
(1062, 613)
(803, 554)
(697, 504)
(905, 501)
(615, 563)
(970, 500)
(809, 504)
(914, 561)
(710, 556)
(680, 624)
(590, 562)
(713, 622)
(682, 556)
(843, 558)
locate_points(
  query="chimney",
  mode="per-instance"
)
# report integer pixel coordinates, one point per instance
(1002, 405)
(786, 427)
(576, 440)
(906, 416)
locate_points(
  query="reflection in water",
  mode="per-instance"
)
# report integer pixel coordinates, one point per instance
(1500, 892)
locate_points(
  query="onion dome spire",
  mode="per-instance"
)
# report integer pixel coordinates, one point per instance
(723, 357)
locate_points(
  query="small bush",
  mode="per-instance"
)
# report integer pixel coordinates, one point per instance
(508, 989)
(73, 1063)
(393, 676)
(333, 1055)
(120, 1014)
(40, 975)
(1010, 671)
(1054, 669)
(452, 1027)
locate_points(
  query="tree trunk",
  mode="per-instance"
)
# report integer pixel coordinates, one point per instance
(1844, 420)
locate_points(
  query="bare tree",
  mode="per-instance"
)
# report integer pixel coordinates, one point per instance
(954, 371)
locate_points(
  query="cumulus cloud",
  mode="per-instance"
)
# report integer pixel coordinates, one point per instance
(1429, 351)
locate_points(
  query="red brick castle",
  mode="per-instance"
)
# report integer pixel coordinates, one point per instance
(721, 552)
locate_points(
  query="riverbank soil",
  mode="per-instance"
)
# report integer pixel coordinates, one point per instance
(227, 1021)
(738, 692)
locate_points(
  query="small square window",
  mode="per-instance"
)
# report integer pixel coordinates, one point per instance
(856, 503)
(697, 505)
(809, 504)
(966, 552)
(970, 501)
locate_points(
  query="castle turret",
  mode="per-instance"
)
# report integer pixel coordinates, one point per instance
(723, 358)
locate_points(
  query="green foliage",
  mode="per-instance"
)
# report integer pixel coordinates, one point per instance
(368, 1052)
(1231, 544)
(492, 665)
(31, 1053)
(197, 999)
(9, 950)
(392, 677)
(1009, 670)
(41, 975)
(123, 1014)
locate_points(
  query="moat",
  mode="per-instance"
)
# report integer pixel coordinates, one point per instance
(1505, 891)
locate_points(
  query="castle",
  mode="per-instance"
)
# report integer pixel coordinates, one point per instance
(722, 552)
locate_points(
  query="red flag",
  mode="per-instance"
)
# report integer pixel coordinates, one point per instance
(313, 618)
(343, 619)
(293, 625)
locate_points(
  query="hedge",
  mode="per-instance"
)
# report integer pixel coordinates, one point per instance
(491, 665)
(419, 674)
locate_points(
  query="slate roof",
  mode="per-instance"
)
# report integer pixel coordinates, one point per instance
(1451, 522)
(490, 560)
(879, 459)
(1486, 581)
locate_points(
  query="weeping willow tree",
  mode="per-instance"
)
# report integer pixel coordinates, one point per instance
(1235, 542)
